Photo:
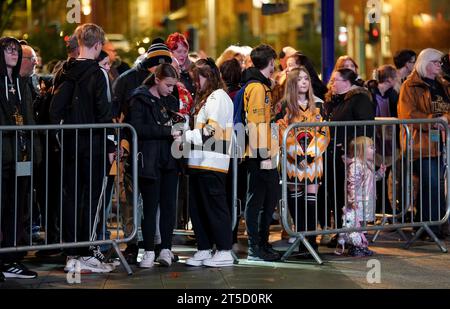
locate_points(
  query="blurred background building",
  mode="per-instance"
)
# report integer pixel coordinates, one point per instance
(212, 25)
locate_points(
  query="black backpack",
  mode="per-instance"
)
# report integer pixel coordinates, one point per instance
(66, 106)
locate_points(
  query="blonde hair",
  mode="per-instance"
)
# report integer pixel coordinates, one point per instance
(89, 34)
(425, 57)
(358, 147)
(231, 52)
(291, 93)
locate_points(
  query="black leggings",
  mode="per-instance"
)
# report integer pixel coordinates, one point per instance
(160, 192)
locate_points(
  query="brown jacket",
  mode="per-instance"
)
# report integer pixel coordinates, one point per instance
(415, 103)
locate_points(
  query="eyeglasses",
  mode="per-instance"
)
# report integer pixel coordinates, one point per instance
(339, 80)
(436, 62)
(10, 50)
(32, 58)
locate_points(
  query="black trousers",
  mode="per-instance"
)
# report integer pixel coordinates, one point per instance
(83, 178)
(160, 192)
(12, 221)
(209, 210)
(334, 186)
(263, 192)
(50, 206)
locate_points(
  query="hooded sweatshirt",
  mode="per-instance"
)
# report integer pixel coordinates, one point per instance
(11, 89)
(15, 105)
(92, 97)
(258, 105)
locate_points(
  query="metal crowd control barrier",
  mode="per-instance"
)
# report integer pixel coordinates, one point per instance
(41, 165)
(425, 143)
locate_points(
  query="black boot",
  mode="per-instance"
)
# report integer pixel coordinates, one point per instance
(131, 253)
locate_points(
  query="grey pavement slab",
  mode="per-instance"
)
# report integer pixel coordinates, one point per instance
(423, 266)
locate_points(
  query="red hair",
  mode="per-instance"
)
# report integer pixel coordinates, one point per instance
(175, 39)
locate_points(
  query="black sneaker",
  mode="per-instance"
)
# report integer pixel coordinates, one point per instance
(131, 254)
(268, 248)
(97, 253)
(18, 270)
(261, 254)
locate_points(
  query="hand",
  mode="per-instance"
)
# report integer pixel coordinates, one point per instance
(121, 153)
(209, 130)
(176, 134)
(439, 125)
(382, 169)
(177, 139)
(111, 157)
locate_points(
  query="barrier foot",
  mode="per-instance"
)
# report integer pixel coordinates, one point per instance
(235, 258)
(414, 239)
(312, 251)
(383, 222)
(435, 239)
(123, 261)
(402, 234)
(308, 246)
(290, 249)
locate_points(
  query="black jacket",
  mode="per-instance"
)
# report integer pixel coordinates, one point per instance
(354, 105)
(149, 117)
(7, 109)
(93, 96)
(124, 86)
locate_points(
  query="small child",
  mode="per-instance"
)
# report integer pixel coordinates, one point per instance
(360, 194)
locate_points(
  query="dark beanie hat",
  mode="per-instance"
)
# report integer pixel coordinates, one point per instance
(157, 53)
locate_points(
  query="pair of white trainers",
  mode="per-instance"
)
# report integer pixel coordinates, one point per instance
(87, 264)
(221, 258)
(165, 258)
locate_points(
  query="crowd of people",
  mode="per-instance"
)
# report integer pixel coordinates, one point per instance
(176, 102)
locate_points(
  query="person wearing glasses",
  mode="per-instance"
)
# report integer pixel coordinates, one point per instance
(346, 101)
(15, 109)
(425, 94)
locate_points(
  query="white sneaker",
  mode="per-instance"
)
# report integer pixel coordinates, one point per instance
(165, 257)
(199, 257)
(71, 264)
(291, 240)
(90, 264)
(148, 259)
(221, 258)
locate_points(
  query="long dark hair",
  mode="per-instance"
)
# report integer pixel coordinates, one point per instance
(349, 75)
(208, 69)
(319, 87)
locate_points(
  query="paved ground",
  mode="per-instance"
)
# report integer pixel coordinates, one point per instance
(423, 266)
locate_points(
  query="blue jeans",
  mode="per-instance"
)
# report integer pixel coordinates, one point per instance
(431, 191)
